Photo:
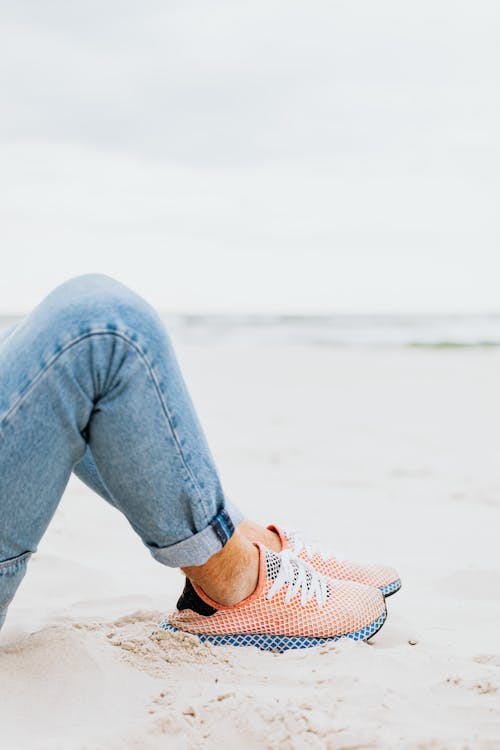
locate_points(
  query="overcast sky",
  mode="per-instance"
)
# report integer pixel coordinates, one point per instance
(254, 156)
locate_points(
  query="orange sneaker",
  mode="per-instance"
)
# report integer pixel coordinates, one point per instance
(379, 576)
(292, 607)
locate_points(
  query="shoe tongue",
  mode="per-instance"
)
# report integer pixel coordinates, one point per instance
(289, 537)
(273, 564)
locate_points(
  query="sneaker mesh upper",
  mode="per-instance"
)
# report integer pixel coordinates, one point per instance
(349, 607)
(374, 575)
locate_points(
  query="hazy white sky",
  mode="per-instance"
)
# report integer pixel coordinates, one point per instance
(258, 156)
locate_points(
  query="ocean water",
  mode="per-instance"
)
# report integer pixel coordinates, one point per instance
(432, 331)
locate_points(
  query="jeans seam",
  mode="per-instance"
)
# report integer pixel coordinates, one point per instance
(14, 560)
(119, 334)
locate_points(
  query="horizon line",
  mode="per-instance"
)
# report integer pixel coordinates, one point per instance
(301, 314)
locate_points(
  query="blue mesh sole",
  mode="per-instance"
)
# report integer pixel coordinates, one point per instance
(280, 643)
(391, 588)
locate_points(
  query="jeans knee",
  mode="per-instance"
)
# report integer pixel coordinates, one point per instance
(96, 301)
(91, 289)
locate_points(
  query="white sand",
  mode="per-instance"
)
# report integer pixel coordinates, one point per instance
(390, 456)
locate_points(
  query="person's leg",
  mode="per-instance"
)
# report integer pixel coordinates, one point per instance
(223, 575)
(92, 366)
(87, 472)
(5, 332)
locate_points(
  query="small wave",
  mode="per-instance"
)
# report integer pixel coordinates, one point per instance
(438, 332)
(454, 344)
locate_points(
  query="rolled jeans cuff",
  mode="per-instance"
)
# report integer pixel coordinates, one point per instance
(197, 549)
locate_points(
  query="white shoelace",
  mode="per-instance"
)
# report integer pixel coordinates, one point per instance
(312, 548)
(297, 576)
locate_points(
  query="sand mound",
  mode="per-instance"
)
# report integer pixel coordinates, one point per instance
(65, 690)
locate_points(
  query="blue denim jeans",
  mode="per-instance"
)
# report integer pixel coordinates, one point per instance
(89, 383)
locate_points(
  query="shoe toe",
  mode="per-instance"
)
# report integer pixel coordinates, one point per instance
(358, 608)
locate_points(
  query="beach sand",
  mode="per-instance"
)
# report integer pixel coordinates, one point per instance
(387, 455)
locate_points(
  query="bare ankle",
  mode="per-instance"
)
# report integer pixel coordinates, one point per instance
(255, 533)
(231, 574)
